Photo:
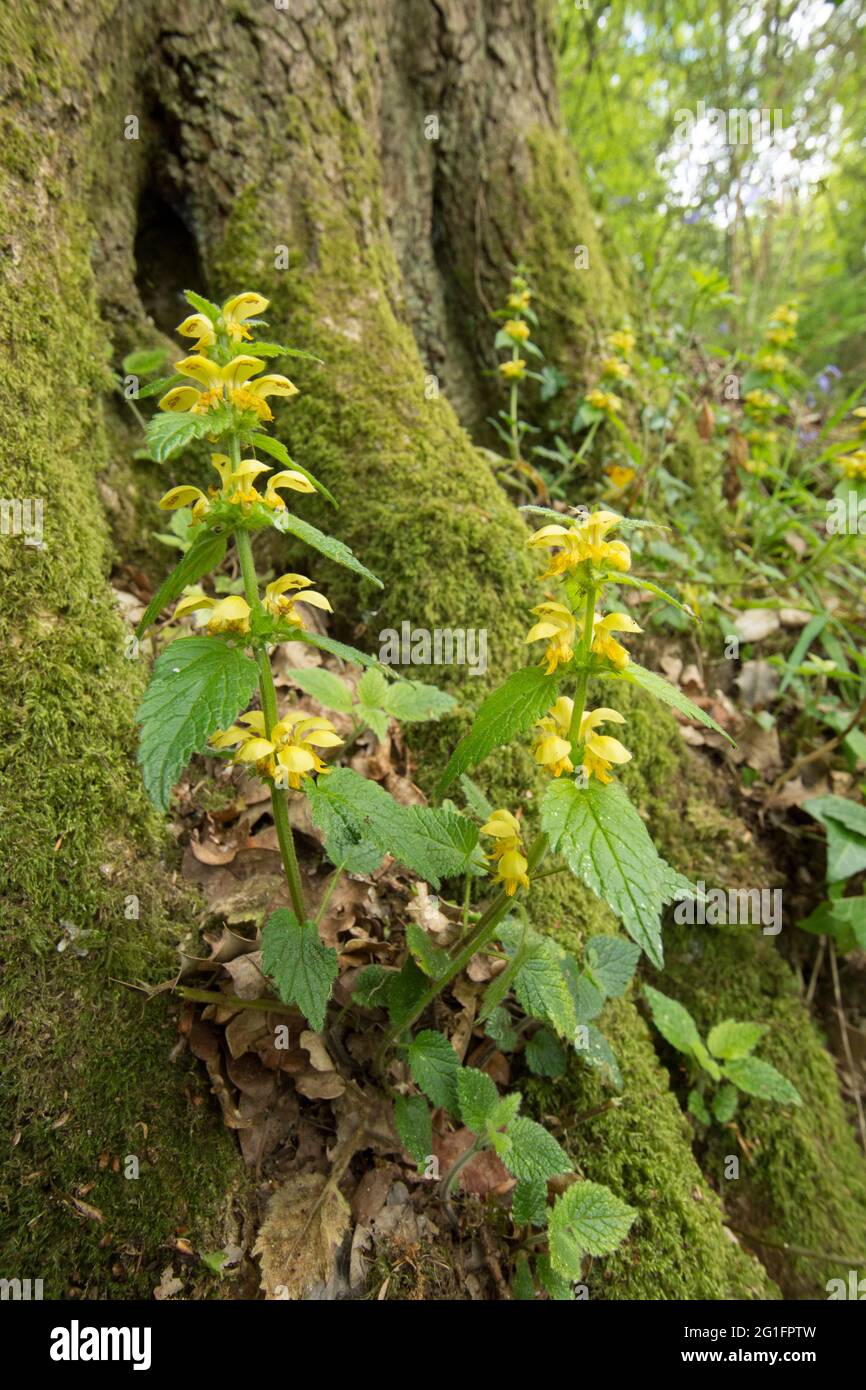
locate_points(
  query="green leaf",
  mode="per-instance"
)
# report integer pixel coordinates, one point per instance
(279, 350)
(730, 1040)
(612, 963)
(540, 985)
(545, 1055)
(760, 1079)
(414, 1125)
(415, 702)
(844, 919)
(556, 1286)
(145, 361)
(588, 1219)
(156, 388)
(529, 1202)
(698, 1108)
(406, 987)
(324, 686)
(534, 1154)
(198, 685)
(508, 711)
(204, 306)
(375, 719)
(845, 823)
(607, 846)
(674, 1022)
(328, 546)
(599, 1055)
(812, 630)
(371, 987)
(499, 1030)
(351, 810)
(615, 577)
(657, 685)
(475, 799)
(205, 554)
(268, 445)
(328, 644)
(372, 688)
(725, 1104)
(167, 432)
(434, 1066)
(429, 957)
(477, 1098)
(588, 999)
(302, 967)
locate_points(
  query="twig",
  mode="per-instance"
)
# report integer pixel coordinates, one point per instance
(818, 752)
(816, 970)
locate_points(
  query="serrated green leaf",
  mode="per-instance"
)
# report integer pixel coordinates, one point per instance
(730, 1040)
(372, 688)
(204, 306)
(541, 987)
(375, 719)
(529, 1202)
(545, 1055)
(406, 987)
(198, 685)
(612, 963)
(504, 1113)
(697, 1106)
(555, 1285)
(761, 1079)
(371, 987)
(587, 998)
(205, 554)
(266, 444)
(534, 1153)
(328, 644)
(168, 432)
(475, 799)
(279, 350)
(508, 711)
(144, 361)
(415, 702)
(477, 1098)
(324, 686)
(427, 955)
(596, 1051)
(656, 685)
(328, 546)
(522, 1285)
(414, 1124)
(588, 1219)
(156, 388)
(674, 1022)
(302, 967)
(607, 846)
(725, 1103)
(845, 823)
(434, 1066)
(498, 1028)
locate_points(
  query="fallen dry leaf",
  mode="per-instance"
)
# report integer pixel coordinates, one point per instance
(305, 1225)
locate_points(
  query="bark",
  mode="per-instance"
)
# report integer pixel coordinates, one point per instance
(262, 129)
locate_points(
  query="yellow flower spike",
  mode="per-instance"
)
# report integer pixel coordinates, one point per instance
(517, 330)
(230, 614)
(519, 301)
(552, 747)
(604, 400)
(785, 313)
(238, 309)
(507, 852)
(779, 337)
(604, 644)
(600, 751)
(557, 626)
(615, 367)
(622, 341)
(562, 539)
(185, 496)
(198, 326)
(514, 370)
(591, 531)
(280, 601)
(288, 478)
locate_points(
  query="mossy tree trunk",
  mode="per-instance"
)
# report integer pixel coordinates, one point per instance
(376, 168)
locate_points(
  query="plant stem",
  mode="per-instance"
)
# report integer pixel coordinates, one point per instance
(457, 1168)
(583, 675)
(267, 690)
(328, 893)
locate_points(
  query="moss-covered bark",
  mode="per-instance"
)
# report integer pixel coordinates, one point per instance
(303, 131)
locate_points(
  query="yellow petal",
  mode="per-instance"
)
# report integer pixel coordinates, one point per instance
(198, 326)
(230, 610)
(287, 581)
(192, 602)
(608, 748)
(594, 717)
(254, 749)
(296, 759)
(240, 369)
(201, 369)
(315, 600)
(179, 398)
(249, 468)
(290, 478)
(183, 496)
(244, 306)
(273, 386)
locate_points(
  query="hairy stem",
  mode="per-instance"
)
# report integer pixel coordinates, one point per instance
(583, 676)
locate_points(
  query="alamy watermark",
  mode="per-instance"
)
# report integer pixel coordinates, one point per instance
(737, 126)
(441, 646)
(719, 907)
(22, 516)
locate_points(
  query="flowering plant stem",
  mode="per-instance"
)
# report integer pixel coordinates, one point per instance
(267, 690)
(583, 675)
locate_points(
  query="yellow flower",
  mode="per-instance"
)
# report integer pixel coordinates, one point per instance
(288, 755)
(230, 383)
(860, 414)
(619, 475)
(237, 487)
(552, 747)
(622, 341)
(516, 329)
(600, 751)
(759, 403)
(226, 614)
(507, 852)
(280, 601)
(185, 496)
(238, 309)
(772, 361)
(615, 367)
(779, 337)
(604, 400)
(513, 370)
(854, 465)
(784, 313)
(290, 478)
(556, 626)
(605, 644)
(200, 327)
(519, 300)
(584, 540)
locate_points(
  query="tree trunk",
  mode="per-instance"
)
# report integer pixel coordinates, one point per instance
(404, 155)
